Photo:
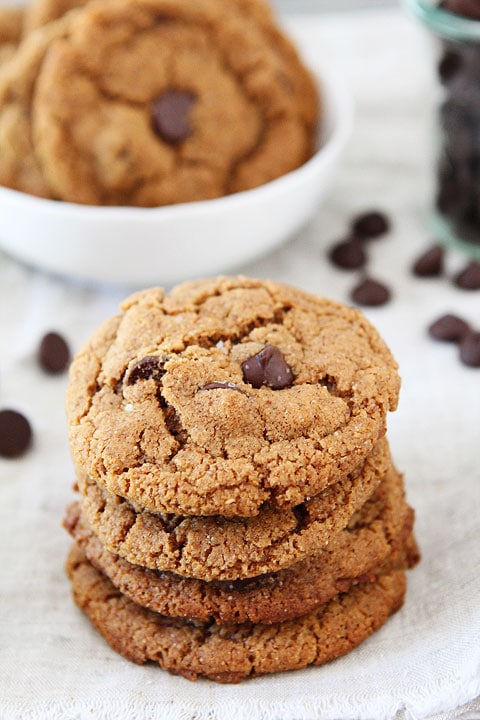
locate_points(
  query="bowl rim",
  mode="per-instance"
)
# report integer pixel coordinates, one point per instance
(338, 106)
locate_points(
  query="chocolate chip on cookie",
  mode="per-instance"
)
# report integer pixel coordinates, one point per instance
(148, 367)
(171, 115)
(268, 367)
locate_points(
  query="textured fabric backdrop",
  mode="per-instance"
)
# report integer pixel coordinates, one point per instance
(426, 660)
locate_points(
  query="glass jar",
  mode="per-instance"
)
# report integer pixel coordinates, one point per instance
(456, 213)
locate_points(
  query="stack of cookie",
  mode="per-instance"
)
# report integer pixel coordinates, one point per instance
(239, 512)
(150, 103)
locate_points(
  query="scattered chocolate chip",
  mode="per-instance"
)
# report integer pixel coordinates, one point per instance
(221, 386)
(348, 254)
(370, 225)
(15, 434)
(370, 293)
(170, 115)
(448, 328)
(146, 368)
(53, 353)
(466, 8)
(469, 277)
(268, 367)
(470, 349)
(430, 263)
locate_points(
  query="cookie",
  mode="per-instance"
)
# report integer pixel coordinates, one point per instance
(228, 393)
(356, 554)
(11, 23)
(42, 12)
(229, 548)
(231, 653)
(11, 20)
(19, 167)
(213, 113)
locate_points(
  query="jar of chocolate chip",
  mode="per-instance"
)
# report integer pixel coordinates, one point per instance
(455, 24)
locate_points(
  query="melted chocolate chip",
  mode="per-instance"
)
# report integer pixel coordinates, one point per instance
(448, 328)
(221, 386)
(15, 434)
(470, 349)
(348, 254)
(370, 293)
(146, 368)
(370, 225)
(430, 263)
(268, 367)
(171, 115)
(469, 277)
(53, 353)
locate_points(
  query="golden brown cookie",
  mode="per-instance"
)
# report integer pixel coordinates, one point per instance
(231, 653)
(42, 12)
(11, 21)
(183, 101)
(19, 167)
(226, 394)
(229, 548)
(359, 553)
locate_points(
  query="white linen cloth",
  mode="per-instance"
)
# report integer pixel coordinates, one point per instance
(426, 660)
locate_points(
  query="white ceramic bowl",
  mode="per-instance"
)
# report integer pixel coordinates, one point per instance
(151, 246)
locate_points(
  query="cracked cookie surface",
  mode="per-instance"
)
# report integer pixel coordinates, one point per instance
(161, 410)
(216, 547)
(220, 109)
(378, 534)
(231, 653)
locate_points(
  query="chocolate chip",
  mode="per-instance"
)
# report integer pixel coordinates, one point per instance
(53, 353)
(268, 367)
(449, 328)
(466, 8)
(15, 434)
(470, 349)
(370, 225)
(430, 263)
(370, 293)
(469, 277)
(170, 115)
(146, 368)
(221, 386)
(348, 254)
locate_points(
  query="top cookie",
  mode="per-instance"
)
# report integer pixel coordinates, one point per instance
(184, 101)
(226, 393)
